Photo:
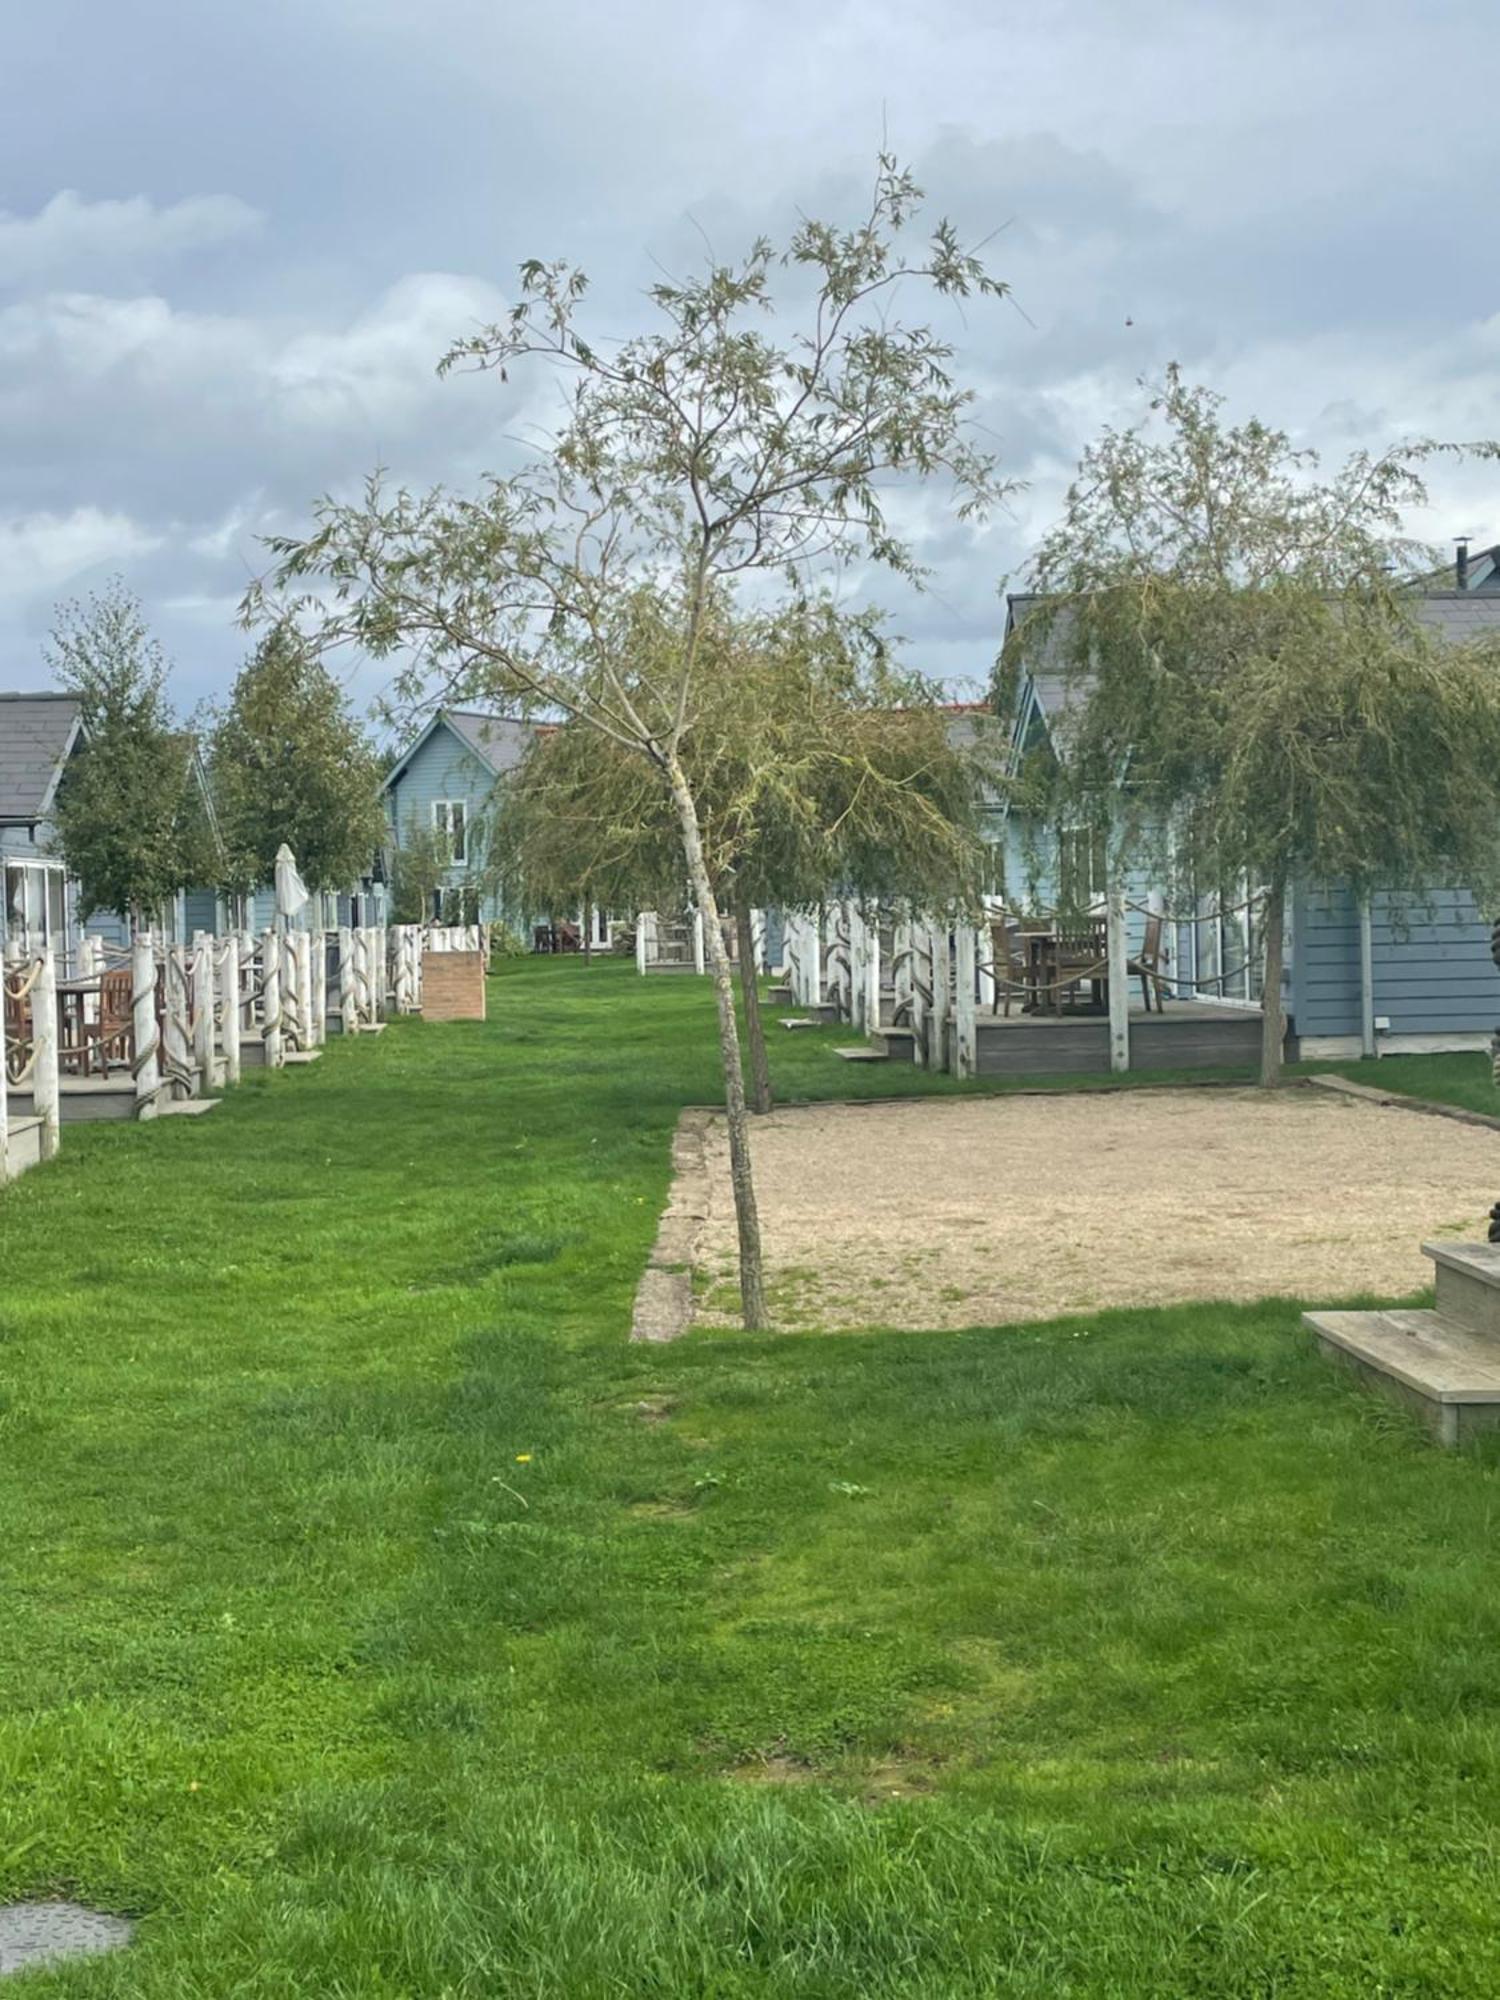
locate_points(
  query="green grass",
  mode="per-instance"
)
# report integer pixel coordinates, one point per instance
(1462, 1078)
(376, 1621)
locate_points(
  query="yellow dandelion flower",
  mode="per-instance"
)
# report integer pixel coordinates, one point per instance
(523, 1458)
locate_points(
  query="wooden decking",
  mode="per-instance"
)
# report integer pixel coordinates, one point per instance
(82, 1099)
(1186, 1036)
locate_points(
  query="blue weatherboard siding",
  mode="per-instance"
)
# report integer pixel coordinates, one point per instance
(1432, 969)
(443, 765)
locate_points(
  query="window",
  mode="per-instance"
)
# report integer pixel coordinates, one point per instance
(450, 818)
(35, 905)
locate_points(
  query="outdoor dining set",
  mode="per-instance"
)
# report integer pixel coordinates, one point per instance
(1045, 965)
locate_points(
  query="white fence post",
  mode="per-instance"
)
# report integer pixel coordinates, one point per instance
(44, 1077)
(318, 942)
(870, 978)
(229, 1006)
(1118, 956)
(348, 1006)
(177, 1024)
(920, 964)
(203, 1009)
(698, 940)
(305, 989)
(939, 1028)
(270, 999)
(146, 1057)
(965, 986)
(4, 1106)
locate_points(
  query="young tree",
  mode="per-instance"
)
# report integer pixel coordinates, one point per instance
(698, 453)
(1252, 695)
(818, 766)
(130, 813)
(420, 862)
(289, 763)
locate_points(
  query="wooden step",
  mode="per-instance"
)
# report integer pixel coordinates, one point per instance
(899, 1043)
(23, 1144)
(1468, 1283)
(1445, 1370)
(864, 1054)
(779, 996)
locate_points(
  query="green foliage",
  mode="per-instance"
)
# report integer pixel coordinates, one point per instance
(1250, 691)
(131, 816)
(1157, 1662)
(420, 861)
(289, 763)
(817, 764)
(696, 453)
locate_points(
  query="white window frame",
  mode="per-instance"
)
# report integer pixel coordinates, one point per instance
(53, 885)
(444, 812)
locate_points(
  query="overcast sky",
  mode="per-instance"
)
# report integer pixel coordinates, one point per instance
(235, 240)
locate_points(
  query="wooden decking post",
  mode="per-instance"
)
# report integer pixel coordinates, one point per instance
(901, 970)
(871, 976)
(318, 944)
(203, 1008)
(44, 1077)
(270, 999)
(965, 1050)
(305, 988)
(177, 1026)
(146, 1056)
(4, 1105)
(940, 1026)
(697, 941)
(920, 964)
(348, 1000)
(1117, 951)
(229, 1006)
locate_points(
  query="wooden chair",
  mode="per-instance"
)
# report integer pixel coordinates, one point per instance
(1010, 966)
(1079, 956)
(1150, 963)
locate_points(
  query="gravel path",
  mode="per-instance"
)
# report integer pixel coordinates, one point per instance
(974, 1212)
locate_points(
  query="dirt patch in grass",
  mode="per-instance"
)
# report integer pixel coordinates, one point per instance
(773, 1771)
(991, 1210)
(653, 1409)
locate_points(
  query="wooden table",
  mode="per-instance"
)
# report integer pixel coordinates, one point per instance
(1053, 951)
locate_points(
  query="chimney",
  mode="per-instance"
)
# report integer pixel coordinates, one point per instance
(1462, 566)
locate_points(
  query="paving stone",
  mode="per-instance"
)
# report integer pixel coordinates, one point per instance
(42, 1933)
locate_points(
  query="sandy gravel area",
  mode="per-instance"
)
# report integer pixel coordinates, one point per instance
(978, 1211)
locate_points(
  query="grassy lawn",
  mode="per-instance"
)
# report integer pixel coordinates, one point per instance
(1462, 1078)
(376, 1621)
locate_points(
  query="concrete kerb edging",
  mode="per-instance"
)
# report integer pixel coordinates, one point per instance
(1425, 1107)
(664, 1297)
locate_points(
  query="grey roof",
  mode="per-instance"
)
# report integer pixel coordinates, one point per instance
(1460, 614)
(37, 732)
(498, 741)
(1455, 614)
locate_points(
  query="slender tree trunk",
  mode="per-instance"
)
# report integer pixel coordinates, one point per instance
(755, 1032)
(752, 1278)
(1273, 1024)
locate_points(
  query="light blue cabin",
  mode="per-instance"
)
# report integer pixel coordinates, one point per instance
(1410, 974)
(445, 783)
(39, 733)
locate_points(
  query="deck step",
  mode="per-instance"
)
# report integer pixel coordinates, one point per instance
(899, 1043)
(24, 1144)
(780, 995)
(1435, 1364)
(1468, 1283)
(188, 1107)
(864, 1054)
